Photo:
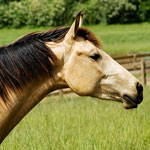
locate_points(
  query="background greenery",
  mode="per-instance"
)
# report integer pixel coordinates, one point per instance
(18, 13)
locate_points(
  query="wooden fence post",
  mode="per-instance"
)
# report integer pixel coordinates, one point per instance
(143, 72)
(134, 61)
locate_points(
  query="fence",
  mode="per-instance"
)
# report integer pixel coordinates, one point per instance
(137, 64)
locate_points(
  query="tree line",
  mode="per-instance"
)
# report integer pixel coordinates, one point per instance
(18, 13)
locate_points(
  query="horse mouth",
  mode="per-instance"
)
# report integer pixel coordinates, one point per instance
(129, 102)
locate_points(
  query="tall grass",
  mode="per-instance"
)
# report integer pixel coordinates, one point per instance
(82, 123)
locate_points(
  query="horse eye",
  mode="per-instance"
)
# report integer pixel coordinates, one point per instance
(95, 56)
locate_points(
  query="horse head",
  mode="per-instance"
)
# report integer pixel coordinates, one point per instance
(89, 71)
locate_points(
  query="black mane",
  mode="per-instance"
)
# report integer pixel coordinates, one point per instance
(28, 57)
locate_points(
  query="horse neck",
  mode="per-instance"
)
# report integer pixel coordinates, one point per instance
(21, 102)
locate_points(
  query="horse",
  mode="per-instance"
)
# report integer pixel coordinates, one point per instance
(64, 57)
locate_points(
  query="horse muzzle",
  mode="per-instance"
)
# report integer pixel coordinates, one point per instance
(130, 102)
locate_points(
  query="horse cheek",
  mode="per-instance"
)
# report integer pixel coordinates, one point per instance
(81, 77)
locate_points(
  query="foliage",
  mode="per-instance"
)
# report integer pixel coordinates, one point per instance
(3, 18)
(18, 13)
(108, 12)
(38, 13)
(144, 10)
(57, 13)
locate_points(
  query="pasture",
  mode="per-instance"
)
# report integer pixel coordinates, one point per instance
(116, 39)
(83, 123)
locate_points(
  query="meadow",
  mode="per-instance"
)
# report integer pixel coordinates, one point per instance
(116, 39)
(84, 123)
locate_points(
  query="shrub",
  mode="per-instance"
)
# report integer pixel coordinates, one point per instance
(108, 11)
(18, 13)
(38, 13)
(144, 10)
(3, 18)
(57, 13)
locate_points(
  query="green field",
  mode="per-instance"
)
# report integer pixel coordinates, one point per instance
(83, 123)
(116, 39)
(123, 39)
(76, 123)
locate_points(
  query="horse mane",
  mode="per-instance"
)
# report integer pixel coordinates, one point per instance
(28, 58)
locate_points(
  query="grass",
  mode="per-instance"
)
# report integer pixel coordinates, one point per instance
(82, 123)
(122, 39)
(116, 39)
(9, 35)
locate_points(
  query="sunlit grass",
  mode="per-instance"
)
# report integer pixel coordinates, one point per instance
(9, 35)
(123, 39)
(116, 39)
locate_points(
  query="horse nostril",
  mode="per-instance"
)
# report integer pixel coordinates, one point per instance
(139, 88)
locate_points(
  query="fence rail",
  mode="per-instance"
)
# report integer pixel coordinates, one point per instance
(139, 65)
(132, 58)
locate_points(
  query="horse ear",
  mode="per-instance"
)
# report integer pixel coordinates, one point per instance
(73, 30)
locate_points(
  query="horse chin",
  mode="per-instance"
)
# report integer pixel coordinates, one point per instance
(128, 105)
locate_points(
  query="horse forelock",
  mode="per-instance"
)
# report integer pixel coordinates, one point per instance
(88, 35)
